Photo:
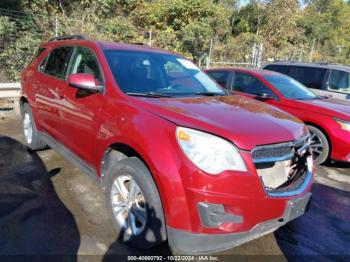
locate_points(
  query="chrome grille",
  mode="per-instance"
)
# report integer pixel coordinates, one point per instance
(277, 152)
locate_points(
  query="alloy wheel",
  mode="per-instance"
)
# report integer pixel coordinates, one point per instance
(316, 146)
(128, 205)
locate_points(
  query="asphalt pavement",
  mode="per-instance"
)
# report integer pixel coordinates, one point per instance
(83, 222)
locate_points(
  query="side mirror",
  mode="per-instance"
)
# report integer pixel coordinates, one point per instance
(264, 97)
(84, 81)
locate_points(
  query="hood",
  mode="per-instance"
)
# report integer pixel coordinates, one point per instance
(244, 121)
(330, 106)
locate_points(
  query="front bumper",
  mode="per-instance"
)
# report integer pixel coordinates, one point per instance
(191, 243)
(340, 145)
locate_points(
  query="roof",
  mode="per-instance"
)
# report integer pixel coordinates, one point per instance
(316, 65)
(134, 47)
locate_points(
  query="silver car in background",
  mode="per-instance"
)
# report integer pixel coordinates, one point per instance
(322, 78)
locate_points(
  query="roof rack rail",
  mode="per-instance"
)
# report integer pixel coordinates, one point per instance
(68, 37)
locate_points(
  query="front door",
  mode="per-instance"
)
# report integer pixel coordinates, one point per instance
(82, 108)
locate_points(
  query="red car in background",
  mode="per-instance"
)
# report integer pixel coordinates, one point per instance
(328, 119)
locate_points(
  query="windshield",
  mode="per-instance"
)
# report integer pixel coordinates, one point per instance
(290, 88)
(159, 74)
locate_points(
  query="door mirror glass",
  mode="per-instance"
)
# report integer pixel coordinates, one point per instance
(84, 81)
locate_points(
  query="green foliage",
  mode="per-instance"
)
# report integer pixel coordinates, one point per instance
(7, 27)
(119, 29)
(327, 25)
(248, 18)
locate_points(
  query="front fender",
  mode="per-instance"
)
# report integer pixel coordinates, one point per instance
(153, 138)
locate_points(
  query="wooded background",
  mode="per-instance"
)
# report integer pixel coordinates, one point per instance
(313, 30)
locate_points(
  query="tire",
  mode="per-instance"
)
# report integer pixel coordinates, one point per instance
(127, 212)
(30, 133)
(319, 145)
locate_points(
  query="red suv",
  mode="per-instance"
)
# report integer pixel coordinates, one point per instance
(178, 158)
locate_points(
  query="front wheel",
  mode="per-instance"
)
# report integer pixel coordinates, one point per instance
(134, 204)
(319, 145)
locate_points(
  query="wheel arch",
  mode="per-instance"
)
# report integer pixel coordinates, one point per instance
(118, 151)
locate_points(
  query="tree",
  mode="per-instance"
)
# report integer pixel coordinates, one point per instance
(327, 29)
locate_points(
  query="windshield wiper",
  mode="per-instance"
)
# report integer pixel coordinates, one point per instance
(211, 94)
(149, 94)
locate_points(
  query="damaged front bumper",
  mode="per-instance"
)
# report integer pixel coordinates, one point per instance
(189, 243)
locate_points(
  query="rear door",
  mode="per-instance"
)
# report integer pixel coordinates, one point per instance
(49, 87)
(82, 108)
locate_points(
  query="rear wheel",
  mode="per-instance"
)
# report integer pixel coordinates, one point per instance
(319, 145)
(134, 204)
(30, 132)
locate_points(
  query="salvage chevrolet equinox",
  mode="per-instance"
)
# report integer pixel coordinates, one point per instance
(178, 158)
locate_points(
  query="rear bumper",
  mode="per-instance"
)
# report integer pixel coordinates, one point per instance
(192, 243)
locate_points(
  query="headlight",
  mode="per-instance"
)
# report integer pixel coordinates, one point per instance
(343, 124)
(209, 153)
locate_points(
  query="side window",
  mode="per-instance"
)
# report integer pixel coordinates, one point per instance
(220, 77)
(339, 81)
(85, 61)
(57, 62)
(277, 68)
(309, 76)
(249, 84)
